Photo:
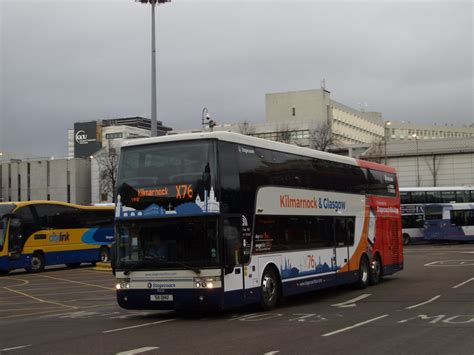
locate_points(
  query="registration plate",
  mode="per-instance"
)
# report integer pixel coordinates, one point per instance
(161, 297)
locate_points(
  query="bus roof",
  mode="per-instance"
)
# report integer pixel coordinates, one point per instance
(238, 138)
(437, 188)
(49, 202)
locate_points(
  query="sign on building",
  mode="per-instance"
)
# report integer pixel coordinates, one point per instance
(87, 139)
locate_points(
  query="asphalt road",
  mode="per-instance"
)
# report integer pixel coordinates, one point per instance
(426, 309)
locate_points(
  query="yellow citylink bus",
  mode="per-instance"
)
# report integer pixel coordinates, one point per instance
(35, 234)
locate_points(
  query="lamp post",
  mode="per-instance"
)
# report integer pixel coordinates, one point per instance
(386, 133)
(153, 63)
(204, 116)
(206, 120)
(417, 161)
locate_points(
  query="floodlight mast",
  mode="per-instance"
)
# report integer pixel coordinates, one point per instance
(153, 3)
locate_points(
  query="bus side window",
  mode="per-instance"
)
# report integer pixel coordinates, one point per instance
(470, 218)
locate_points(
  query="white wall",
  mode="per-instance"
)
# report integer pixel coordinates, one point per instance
(453, 170)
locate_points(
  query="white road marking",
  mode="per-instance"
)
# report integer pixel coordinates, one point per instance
(272, 352)
(463, 283)
(138, 351)
(451, 263)
(354, 326)
(351, 302)
(16, 347)
(422, 303)
(138, 326)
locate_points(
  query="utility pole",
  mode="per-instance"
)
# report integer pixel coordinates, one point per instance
(153, 63)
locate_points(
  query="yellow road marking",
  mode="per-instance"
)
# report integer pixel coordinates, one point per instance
(25, 282)
(76, 282)
(39, 299)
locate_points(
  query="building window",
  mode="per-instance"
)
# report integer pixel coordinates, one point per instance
(113, 135)
(293, 111)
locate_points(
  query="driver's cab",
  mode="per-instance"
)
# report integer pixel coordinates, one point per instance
(11, 240)
(15, 229)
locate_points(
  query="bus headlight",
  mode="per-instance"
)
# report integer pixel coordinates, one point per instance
(122, 285)
(207, 282)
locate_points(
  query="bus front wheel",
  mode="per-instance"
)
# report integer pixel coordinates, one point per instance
(364, 272)
(270, 289)
(104, 254)
(36, 263)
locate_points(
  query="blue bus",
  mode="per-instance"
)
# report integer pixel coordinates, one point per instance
(35, 234)
(449, 222)
(414, 199)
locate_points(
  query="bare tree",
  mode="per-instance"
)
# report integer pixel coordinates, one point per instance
(321, 137)
(108, 162)
(284, 134)
(245, 127)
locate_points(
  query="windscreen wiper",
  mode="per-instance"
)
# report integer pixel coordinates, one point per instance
(159, 262)
(134, 267)
(140, 264)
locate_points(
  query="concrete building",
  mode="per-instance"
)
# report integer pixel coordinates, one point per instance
(426, 162)
(407, 131)
(77, 178)
(105, 160)
(303, 111)
(87, 138)
(62, 179)
(293, 116)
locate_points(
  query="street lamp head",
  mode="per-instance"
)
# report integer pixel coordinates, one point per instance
(153, 1)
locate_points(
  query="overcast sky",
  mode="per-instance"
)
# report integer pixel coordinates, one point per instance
(75, 60)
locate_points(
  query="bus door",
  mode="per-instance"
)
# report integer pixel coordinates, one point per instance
(233, 267)
(15, 239)
(344, 236)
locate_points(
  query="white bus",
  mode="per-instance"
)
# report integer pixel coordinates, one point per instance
(218, 220)
(413, 202)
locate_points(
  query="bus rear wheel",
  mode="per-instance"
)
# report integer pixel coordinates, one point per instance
(376, 271)
(270, 290)
(364, 272)
(104, 255)
(406, 239)
(36, 263)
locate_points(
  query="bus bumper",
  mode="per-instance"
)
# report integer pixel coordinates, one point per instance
(193, 299)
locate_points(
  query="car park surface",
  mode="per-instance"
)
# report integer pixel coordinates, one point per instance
(427, 308)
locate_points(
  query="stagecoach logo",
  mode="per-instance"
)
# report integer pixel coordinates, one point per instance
(160, 285)
(81, 137)
(246, 150)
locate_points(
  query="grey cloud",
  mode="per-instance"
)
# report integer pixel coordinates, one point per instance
(81, 60)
